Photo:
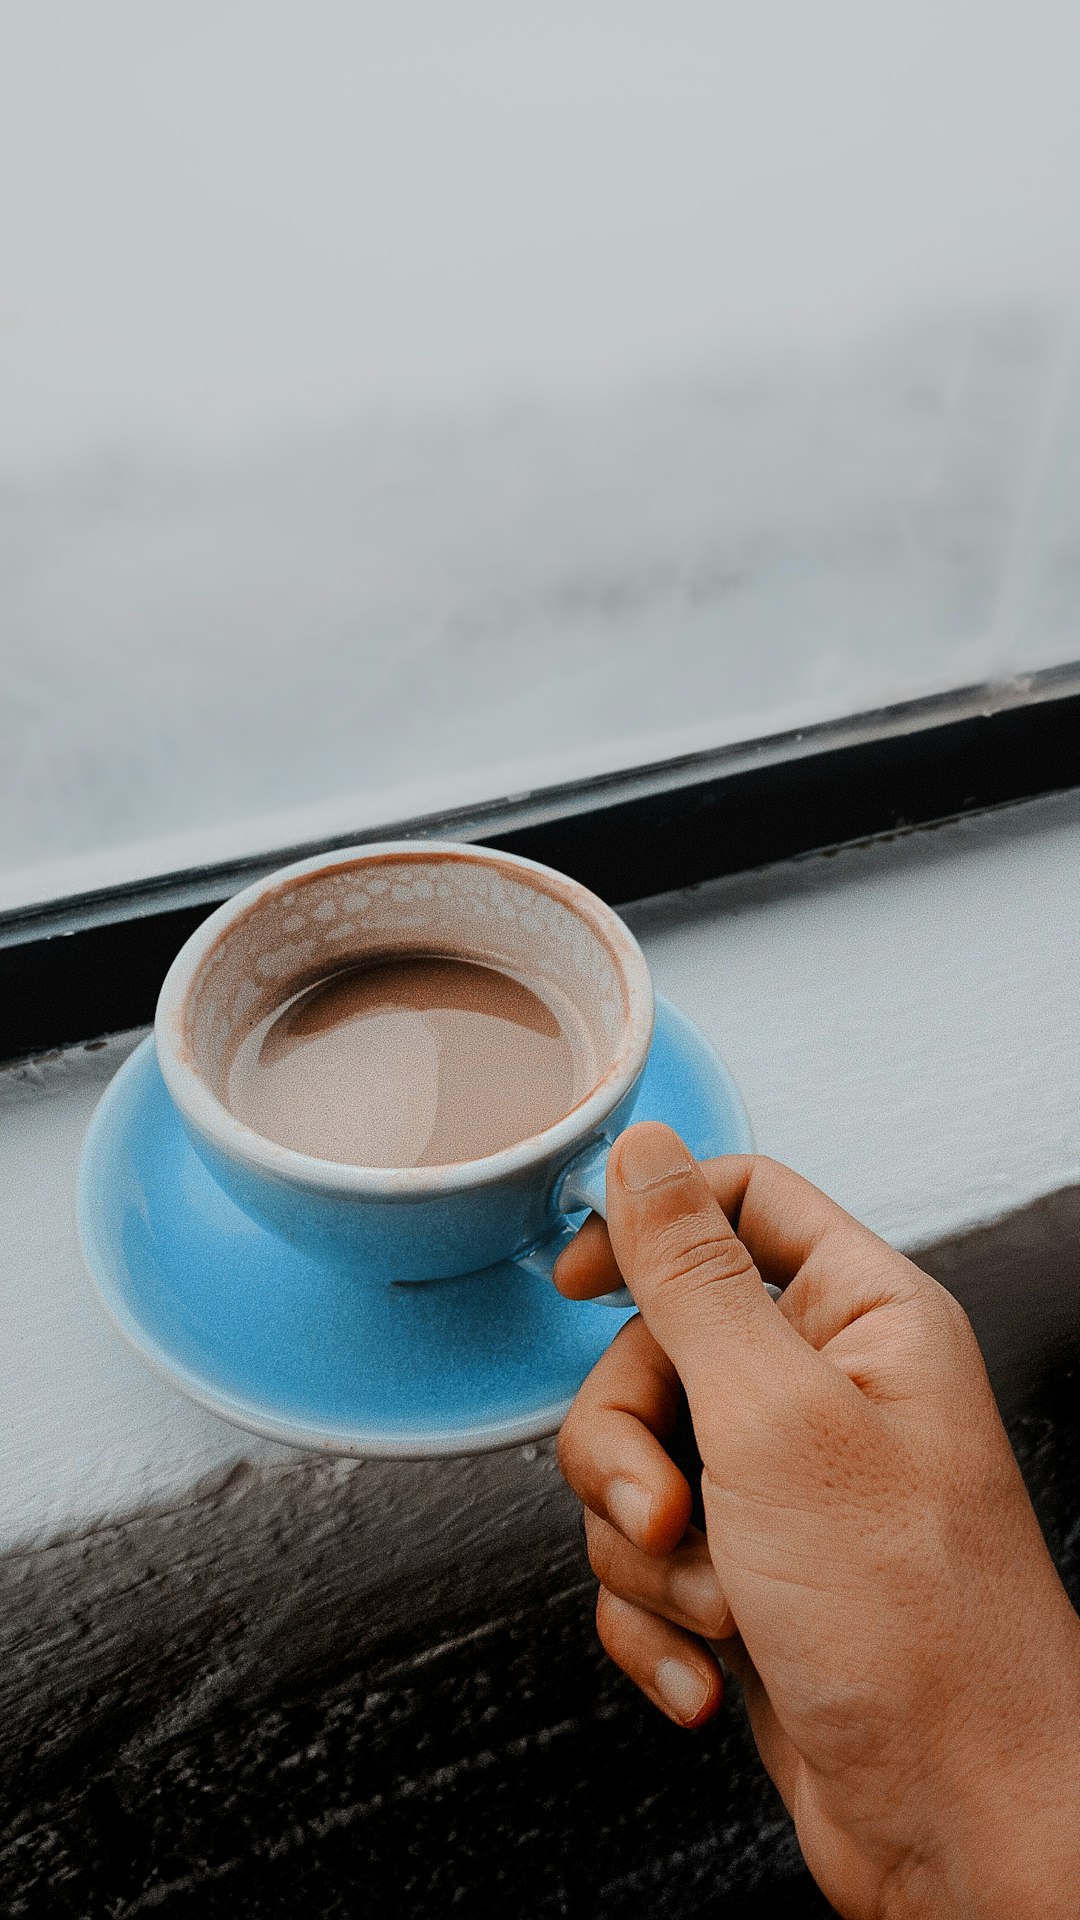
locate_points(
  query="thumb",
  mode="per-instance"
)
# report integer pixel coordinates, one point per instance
(695, 1283)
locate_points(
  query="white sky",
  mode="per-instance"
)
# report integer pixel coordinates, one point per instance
(227, 216)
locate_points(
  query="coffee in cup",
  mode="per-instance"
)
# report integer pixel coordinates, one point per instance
(414, 1060)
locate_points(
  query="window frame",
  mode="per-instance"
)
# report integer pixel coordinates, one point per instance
(77, 968)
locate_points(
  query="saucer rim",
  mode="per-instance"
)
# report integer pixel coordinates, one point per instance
(409, 1443)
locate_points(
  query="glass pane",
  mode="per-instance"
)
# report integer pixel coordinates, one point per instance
(403, 405)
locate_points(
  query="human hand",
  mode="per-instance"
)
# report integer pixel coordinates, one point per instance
(870, 1562)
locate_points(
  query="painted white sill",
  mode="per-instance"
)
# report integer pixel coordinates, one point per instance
(903, 1019)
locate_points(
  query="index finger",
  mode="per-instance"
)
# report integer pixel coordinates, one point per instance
(779, 1217)
(611, 1448)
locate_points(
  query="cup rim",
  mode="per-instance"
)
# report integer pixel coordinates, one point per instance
(236, 1141)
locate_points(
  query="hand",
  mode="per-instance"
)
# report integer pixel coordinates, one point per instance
(870, 1563)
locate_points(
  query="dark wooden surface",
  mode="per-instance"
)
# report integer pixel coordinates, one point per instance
(327, 1689)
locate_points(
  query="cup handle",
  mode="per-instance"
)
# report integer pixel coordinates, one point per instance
(583, 1183)
(580, 1188)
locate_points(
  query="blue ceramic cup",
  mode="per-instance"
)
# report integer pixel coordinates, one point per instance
(400, 898)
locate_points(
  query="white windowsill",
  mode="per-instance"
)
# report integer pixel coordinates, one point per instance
(903, 1020)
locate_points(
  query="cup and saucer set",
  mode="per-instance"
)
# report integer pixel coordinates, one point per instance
(396, 1311)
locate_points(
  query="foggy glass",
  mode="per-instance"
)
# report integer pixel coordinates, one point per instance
(407, 404)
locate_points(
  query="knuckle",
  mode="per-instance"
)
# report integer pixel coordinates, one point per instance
(940, 1315)
(957, 1348)
(615, 1631)
(698, 1258)
(605, 1623)
(603, 1551)
(955, 1317)
(571, 1447)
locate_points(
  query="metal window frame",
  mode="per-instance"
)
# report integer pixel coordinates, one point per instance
(84, 966)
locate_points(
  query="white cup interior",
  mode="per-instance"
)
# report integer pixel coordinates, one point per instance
(429, 900)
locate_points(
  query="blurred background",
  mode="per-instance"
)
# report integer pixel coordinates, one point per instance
(408, 404)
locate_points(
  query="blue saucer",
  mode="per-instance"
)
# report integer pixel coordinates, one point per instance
(270, 1340)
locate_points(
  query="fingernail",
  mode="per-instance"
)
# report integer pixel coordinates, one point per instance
(682, 1689)
(629, 1508)
(649, 1156)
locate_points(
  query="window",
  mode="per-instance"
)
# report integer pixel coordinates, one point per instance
(404, 406)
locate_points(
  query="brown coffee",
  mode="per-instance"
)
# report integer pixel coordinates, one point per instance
(413, 1061)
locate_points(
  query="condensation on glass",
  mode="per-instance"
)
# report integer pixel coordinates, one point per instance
(410, 405)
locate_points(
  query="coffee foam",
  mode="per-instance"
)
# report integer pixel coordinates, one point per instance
(379, 906)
